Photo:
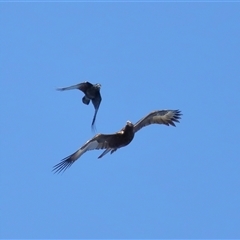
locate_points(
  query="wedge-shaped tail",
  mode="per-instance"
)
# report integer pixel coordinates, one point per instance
(112, 142)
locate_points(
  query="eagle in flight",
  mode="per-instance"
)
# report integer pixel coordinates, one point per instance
(91, 91)
(111, 142)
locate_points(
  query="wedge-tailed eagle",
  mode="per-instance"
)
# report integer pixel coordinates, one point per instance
(91, 91)
(111, 142)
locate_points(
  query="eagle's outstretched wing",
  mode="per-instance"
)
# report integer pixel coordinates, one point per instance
(81, 86)
(99, 141)
(167, 117)
(159, 117)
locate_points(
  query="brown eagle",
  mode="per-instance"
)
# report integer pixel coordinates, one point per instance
(111, 142)
(91, 91)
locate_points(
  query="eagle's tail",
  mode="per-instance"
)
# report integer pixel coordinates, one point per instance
(105, 152)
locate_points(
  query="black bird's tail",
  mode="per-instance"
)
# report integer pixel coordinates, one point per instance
(85, 100)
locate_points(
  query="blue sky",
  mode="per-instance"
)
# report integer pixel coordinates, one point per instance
(169, 182)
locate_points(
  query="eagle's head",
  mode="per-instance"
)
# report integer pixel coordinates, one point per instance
(129, 131)
(98, 86)
(129, 123)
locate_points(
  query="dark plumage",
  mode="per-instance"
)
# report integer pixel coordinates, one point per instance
(91, 91)
(111, 142)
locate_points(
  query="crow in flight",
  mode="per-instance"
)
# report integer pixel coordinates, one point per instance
(91, 91)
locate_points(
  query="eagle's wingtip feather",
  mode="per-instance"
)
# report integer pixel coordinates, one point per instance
(63, 165)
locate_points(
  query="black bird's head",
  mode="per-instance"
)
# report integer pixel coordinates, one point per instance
(98, 86)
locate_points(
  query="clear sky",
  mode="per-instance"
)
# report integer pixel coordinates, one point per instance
(181, 182)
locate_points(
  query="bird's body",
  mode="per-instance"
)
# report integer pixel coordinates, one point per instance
(92, 93)
(112, 142)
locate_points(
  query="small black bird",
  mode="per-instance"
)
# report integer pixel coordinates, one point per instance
(111, 142)
(91, 91)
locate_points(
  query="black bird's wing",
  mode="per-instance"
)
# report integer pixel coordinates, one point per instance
(99, 141)
(81, 86)
(96, 103)
(167, 117)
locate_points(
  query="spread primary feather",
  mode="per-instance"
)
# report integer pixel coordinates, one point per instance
(112, 142)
